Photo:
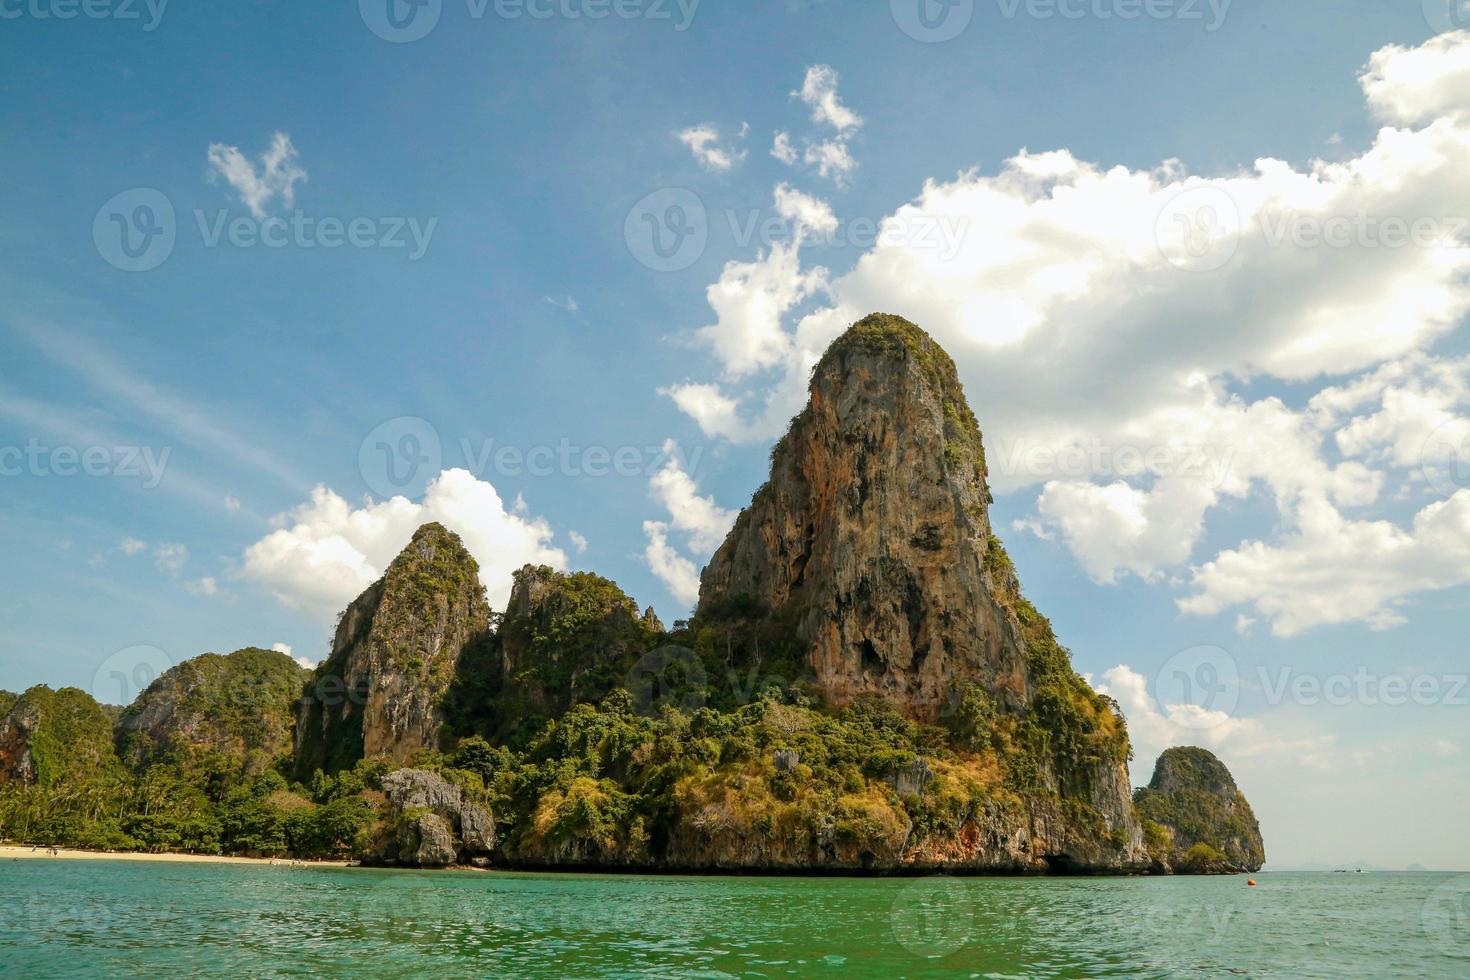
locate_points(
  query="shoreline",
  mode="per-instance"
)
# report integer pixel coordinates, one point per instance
(9, 852)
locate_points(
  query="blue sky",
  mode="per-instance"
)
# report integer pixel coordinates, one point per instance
(514, 157)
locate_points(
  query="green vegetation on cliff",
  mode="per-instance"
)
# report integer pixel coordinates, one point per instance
(566, 639)
(63, 783)
(1195, 818)
(59, 777)
(407, 633)
(241, 706)
(863, 686)
(771, 784)
(1069, 723)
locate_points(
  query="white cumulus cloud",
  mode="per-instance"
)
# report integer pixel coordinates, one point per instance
(1413, 85)
(326, 551)
(701, 521)
(1105, 313)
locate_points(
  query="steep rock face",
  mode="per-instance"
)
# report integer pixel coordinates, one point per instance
(1196, 819)
(52, 737)
(430, 823)
(565, 639)
(396, 650)
(872, 533)
(871, 546)
(241, 706)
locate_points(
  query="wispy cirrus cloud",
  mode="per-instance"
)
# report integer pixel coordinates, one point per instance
(272, 176)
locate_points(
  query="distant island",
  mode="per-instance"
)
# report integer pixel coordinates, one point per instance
(863, 688)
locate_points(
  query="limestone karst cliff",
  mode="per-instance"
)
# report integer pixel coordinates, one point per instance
(563, 639)
(872, 545)
(872, 536)
(380, 694)
(863, 687)
(429, 822)
(1196, 819)
(52, 737)
(240, 708)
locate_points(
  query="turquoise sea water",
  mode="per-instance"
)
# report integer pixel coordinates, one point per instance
(88, 918)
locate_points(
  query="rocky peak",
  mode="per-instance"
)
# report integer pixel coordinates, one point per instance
(1196, 818)
(870, 547)
(394, 656)
(565, 639)
(651, 622)
(49, 737)
(1183, 769)
(872, 535)
(240, 707)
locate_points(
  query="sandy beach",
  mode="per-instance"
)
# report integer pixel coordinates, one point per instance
(11, 851)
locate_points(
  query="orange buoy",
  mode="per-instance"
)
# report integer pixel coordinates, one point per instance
(1251, 883)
